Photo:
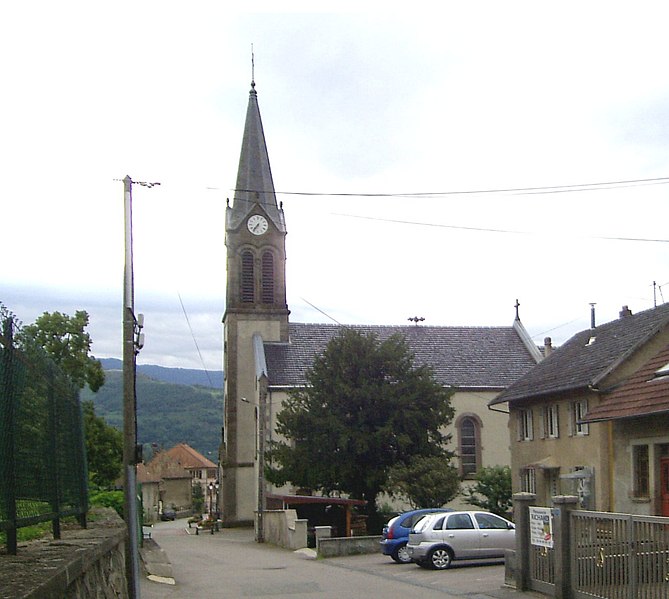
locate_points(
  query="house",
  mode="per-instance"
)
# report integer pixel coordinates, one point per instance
(149, 484)
(578, 419)
(202, 470)
(636, 412)
(175, 487)
(265, 355)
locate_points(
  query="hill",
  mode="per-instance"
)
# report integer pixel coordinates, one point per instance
(167, 413)
(178, 376)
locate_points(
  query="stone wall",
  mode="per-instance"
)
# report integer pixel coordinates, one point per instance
(82, 564)
(338, 546)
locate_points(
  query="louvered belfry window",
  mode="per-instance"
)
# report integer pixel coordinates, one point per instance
(247, 278)
(268, 278)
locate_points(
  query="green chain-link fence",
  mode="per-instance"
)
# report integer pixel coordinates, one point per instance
(42, 454)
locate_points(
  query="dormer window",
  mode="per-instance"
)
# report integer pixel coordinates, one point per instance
(662, 372)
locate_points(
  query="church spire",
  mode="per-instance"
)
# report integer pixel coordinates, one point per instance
(254, 176)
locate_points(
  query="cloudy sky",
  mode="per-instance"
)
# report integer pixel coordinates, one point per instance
(434, 163)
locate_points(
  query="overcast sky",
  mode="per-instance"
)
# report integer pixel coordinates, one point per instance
(472, 97)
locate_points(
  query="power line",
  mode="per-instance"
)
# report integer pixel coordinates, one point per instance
(488, 230)
(194, 340)
(546, 189)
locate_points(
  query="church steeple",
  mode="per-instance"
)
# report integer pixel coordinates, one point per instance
(255, 312)
(254, 176)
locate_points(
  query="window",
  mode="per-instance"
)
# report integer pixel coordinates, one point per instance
(490, 521)
(525, 429)
(459, 521)
(469, 437)
(528, 480)
(578, 411)
(550, 426)
(247, 278)
(267, 278)
(641, 473)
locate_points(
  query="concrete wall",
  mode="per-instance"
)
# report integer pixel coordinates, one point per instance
(285, 529)
(348, 546)
(82, 564)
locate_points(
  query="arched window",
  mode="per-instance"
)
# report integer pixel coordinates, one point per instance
(268, 278)
(469, 441)
(247, 278)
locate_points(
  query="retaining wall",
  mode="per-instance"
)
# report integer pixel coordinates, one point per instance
(348, 546)
(82, 564)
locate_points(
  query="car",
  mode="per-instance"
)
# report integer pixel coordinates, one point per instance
(396, 533)
(168, 515)
(437, 540)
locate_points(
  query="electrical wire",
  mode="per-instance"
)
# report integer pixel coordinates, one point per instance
(545, 189)
(194, 340)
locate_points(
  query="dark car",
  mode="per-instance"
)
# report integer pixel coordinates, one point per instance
(396, 533)
(168, 515)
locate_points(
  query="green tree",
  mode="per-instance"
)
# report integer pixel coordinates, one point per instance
(492, 490)
(104, 448)
(426, 481)
(66, 341)
(366, 407)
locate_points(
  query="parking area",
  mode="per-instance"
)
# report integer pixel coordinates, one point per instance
(486, 576)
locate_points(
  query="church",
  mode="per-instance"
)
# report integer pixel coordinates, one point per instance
(266, 355)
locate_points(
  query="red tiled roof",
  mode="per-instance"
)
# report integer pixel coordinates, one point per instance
(642, 394)
(188, 458)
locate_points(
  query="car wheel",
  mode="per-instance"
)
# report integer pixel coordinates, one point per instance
(401, 555)
(439, 558)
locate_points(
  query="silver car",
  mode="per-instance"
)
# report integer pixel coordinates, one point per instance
(438, 539)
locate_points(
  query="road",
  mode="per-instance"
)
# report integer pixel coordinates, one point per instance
(230, 564)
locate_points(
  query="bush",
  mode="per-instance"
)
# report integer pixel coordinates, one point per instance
(112, 499)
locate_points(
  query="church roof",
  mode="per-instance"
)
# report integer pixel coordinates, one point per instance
(466, 357)
(589, 356)
(254, 176)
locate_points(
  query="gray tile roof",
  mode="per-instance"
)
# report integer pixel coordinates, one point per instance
(473, 357)
(580, 363)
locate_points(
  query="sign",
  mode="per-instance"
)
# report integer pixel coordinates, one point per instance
(541, 527)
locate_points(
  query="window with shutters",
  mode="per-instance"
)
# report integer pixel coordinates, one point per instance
(528, 480)
(268, 278)
(247, 278)
(578, 410)
(550, 425)
(525, 427)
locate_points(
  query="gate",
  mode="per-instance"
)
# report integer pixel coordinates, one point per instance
(542, 570)
(619, 556)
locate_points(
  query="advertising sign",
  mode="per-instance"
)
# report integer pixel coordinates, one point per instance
(541, 527)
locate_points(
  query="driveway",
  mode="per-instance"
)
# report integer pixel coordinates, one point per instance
(229, 564)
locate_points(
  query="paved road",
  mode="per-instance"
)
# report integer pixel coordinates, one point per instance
(230, 564)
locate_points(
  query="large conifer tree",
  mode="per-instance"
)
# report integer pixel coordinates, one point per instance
(366, 407)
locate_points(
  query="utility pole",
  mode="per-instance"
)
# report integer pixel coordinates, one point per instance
(133, 340)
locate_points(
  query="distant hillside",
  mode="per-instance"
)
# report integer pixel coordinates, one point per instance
(178, 376)
(167, 413)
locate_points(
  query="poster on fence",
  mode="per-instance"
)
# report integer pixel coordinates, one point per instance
(541, 527)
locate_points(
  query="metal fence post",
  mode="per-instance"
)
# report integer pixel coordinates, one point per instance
(521, 518)
(563, 505)
(9, 426)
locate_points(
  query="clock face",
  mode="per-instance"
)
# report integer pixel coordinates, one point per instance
(257, 224)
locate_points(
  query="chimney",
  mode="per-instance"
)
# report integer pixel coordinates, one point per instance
(548, 347)
(592, 315)
(625, 312)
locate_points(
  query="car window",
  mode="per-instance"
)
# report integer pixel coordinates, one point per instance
(459, 521)
(490, 521)
(421, 523)
(438, 525)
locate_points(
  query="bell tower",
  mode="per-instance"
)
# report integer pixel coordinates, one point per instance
(256, 308)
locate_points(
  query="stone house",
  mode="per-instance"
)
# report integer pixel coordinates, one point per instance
(580, 424)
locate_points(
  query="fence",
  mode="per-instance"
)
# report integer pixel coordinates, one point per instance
(594, 555)
(42, 455)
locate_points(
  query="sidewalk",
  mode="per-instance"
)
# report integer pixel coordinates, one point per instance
(238, 567)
